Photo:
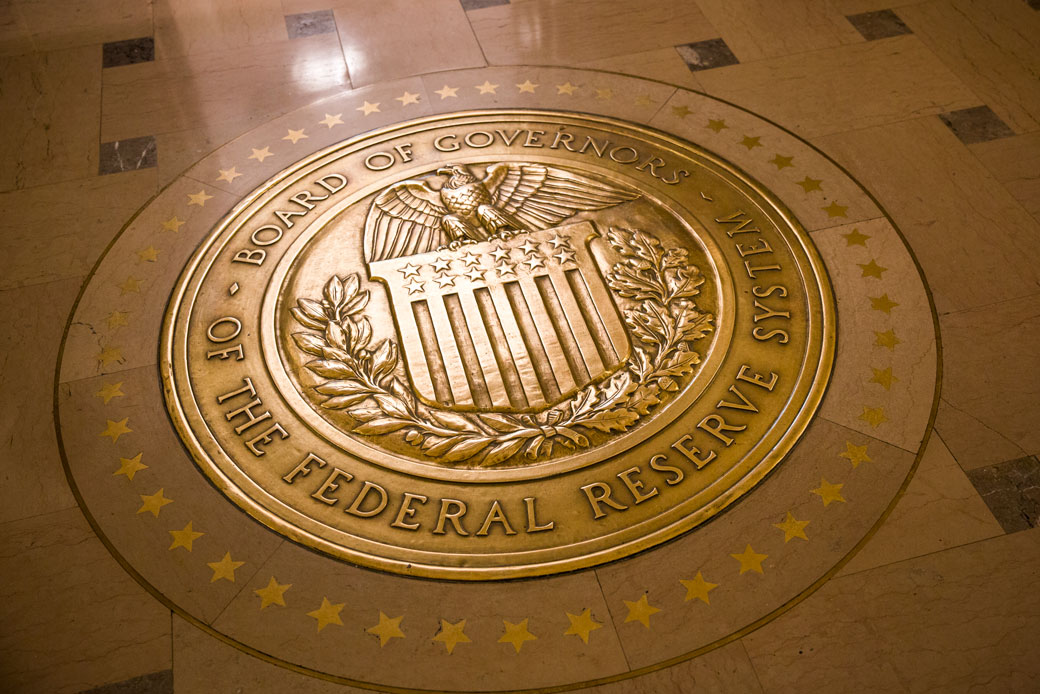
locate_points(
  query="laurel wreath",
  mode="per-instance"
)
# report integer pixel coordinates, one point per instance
(364, 380)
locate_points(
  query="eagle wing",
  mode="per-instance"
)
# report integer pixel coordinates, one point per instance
(542, 196)
(404, 219)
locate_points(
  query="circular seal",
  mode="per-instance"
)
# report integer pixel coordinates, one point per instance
(497, 344)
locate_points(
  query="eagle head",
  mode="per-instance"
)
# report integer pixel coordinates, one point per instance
(459, 174)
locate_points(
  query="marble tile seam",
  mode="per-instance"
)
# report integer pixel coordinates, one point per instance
(994, 303)
(612, 618)
(947, 403)
(248, 581)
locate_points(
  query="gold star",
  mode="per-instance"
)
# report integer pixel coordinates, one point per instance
(810, 184)
(185, 538)
(716, 125)
(527, 86)
(445, 92)
(327, 614)
(855, 454)
(130, 466)
(109, 391)
(153, 503)
(295, 136)
(228, 175)
(644, 100)
(883, 377)
(116, 319)
(829, 492)
(566, 88)
(516, 634)
(407, 98)
(835, 210)
(199, 198)
(273, 593)
(750, 560)
(751, 142)
(681, 111)
(582, 625)
(108, 355)
(871, 269)
(874, 416)
(781, 162)
(261, 154)
(368, 108)
(603, 94)
(225, 568)
(792, 528)
(131, 285)
(886, 339)
(882, 303)
(487, 87)
(387, 629)
(148, 255)
(332, 120)
(698, 588)
(114, 430)
(854, 238)
(452, 635)
(172, 224)
(640, 611)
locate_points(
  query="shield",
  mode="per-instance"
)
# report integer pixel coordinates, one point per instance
(508, 325)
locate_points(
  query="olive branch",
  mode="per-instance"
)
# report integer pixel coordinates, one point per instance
(365, 379)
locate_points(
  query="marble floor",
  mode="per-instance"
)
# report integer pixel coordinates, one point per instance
(934, 106)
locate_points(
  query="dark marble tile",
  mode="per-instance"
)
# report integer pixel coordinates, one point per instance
(310, 24)
(882, 24)
(468, 5)
(128, 52)
(704, 55)
(155, 683)
(1035, 4)
(128, 155)
(1012, 492)
(978, 124)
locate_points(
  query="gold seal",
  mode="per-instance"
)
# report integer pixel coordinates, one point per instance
(497, 344)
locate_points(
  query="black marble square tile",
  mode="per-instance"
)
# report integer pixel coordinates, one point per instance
(310, 24)
(704, 55)
(128, 52)
(1012, 492)
(468, 5)
(155, 683)
(882, 24)
(128, 155)
(978, 124)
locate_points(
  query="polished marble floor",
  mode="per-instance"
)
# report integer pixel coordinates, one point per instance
(934, 106)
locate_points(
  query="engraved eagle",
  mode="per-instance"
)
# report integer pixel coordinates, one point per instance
(411, 217)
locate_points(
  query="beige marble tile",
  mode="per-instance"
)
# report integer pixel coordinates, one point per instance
(49, 108)
(939, 510)
(844, 88)
(73, 619)
(757, 29)
(199, 26)
(57, 231)
(975, 243)
(991, 382)
(386, 40)
(965, 619)
(14, 33)
(539, 32)
(58, 25)
(181, 149)
(991, 45)
(248, 86)
(664, 64)
(1015, 162)
(31, 477)
(725, 669)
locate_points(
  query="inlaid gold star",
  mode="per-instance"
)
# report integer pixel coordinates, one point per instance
(872, 269)
(516, 634)
(855, 454)
(109, 391)
(566, 88)
(148, 255)
(452, 635)
(228, 175)
(108, 355)
(447, 91)
(792, 528)
(751, 142)
(332, 120)
(261, 154)
(604, 94)
(486, 88)
(185, 538)
(172, 224)
(883, 377)
(130, 466)
(114, 430)
(750, 560)
(836, 210)
(117, 319)
(855, 238)
(407, 98)
(368, 108)
(886, 339)
(295, 136)
(527, 86)
(582, 625)
(131, 285)
(681, 111)
(829, 492)
(643, 100)
(273, 593)
(153, 503)
(327, 614)
(810, 184)
(199, 198)
(387, 629)
(698, 588)
(716, 124)
(874, 416)
(640, 611)
(224, 569)
(882, 303)
(781, 162)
